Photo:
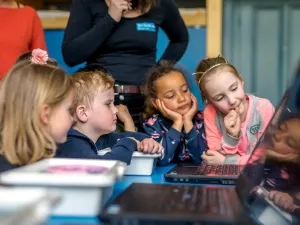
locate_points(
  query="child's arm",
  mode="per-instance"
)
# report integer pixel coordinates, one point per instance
(169, 139)
(82, 149)
(125, 117)
(195, 139)
(122, 150)
(112, 138)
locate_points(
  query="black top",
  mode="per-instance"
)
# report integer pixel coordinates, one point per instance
(126, 49)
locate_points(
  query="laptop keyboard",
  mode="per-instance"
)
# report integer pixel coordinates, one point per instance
(198, 199)
(218, 169)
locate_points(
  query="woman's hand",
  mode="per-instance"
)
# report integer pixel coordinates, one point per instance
(116, 8)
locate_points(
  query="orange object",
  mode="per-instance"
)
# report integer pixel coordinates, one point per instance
(21, 31)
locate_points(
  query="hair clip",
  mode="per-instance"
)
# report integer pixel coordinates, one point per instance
(214, 66)
(39, 56)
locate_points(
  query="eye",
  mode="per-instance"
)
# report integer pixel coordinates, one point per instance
(170, 96)
(219, 99)
(234, 88)
(185, 89)
(108, 103)
(291, 143)
(283, 127)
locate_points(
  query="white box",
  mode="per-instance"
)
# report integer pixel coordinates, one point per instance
(141, 164)
(84, 190)
(26, 206)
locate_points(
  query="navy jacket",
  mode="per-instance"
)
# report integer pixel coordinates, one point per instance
(179, 146)
(5, 165)
(80, 146)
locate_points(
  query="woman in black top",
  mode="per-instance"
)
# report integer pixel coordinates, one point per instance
(120, 36)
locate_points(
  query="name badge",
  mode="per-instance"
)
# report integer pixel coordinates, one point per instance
(150, 27)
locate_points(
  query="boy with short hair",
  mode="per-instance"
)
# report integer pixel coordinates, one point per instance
(95, 118)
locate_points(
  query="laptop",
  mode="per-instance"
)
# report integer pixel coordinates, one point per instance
(277, 171)
(204, 173)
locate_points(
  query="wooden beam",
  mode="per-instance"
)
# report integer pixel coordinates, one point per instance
(58, 19)
(194, 17)
(214, 13)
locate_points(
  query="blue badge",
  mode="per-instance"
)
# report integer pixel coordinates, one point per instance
(145, 27)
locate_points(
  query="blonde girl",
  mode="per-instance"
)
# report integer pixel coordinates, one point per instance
(233, 120)
(35, 105)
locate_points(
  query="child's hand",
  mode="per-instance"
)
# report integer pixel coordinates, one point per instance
(213, 157)
(123, 113)
(283, 200)
(125, 117)
(189, 115)
(232, 123)
(174, 116)
(149, 146)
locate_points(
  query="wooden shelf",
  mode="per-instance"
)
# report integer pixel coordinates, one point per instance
(59, 19)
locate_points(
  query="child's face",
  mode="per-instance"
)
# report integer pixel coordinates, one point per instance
(173, 90)
(226, 92)
(60, 119)
(103, 114)
(286, 139)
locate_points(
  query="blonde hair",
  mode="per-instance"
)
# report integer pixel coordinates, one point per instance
(26, 87)
(209, 66)
(87, 84)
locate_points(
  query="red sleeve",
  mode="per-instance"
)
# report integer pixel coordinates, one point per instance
(37, 35)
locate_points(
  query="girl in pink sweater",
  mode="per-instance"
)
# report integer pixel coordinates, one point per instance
(234, 121)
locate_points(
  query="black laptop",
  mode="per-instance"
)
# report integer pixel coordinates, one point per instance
(276, 173)
(204, 173)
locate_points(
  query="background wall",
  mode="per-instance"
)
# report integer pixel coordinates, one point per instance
(261, 38)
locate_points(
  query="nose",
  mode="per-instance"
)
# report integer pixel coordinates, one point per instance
(180, 98)
(115, 110)
(231, 100)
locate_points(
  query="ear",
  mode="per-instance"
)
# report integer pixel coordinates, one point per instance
(44, 114)
(153, 101)
(81, 113)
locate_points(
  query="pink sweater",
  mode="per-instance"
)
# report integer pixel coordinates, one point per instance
(238, 150)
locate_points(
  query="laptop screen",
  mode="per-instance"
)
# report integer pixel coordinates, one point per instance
(270, 183)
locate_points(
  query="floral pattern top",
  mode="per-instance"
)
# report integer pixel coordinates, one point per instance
(178, 146)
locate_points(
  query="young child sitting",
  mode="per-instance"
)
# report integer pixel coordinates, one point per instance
(234, 121)
(35, 104)
(95, 121)
(172, 116)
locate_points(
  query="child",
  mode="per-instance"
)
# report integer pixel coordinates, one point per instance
(35, 104)
(172, 116)
(95, 117)
(234, 121)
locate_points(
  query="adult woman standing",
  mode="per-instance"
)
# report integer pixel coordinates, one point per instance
(120, 36)
(21, 31)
